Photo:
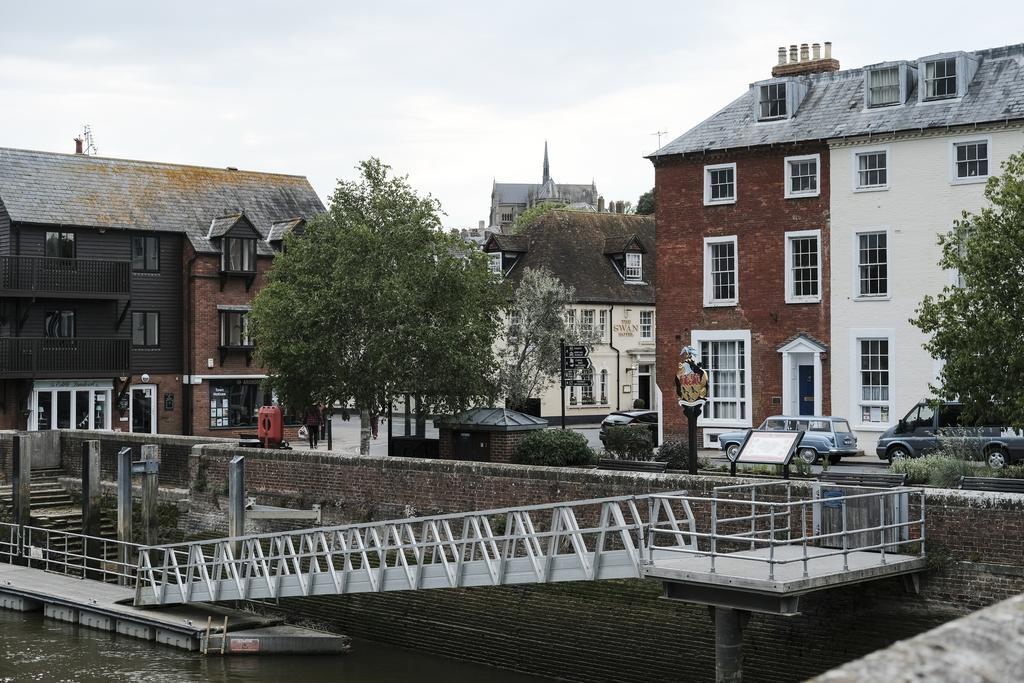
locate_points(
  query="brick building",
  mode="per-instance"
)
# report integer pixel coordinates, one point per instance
(125, 287)
(742, 262)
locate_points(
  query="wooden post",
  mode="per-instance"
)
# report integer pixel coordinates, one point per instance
(21, 491)
(692, 412)
(91, 502)
(150, 490)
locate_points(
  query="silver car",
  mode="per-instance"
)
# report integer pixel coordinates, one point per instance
(825, 436)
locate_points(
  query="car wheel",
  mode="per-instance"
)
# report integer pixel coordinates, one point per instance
(732, 450)
(808, 455)
(996, 458)
(897, 453)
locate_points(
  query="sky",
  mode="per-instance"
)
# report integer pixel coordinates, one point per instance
(454, 94)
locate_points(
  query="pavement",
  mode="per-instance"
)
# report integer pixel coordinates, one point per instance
(345, 438)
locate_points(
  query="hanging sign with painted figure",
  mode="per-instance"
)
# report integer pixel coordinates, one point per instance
(691, 379)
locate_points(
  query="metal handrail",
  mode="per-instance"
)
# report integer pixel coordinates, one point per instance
(50, 548)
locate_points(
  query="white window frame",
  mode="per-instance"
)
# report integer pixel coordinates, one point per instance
(649, 337)
(857, 296)
(602, 323)
(698, 336)
(495, 263)
(587, 321)
(709, 289)
(570, 319)
(633, 272)
(923, 76)
(792, 298)
(970, 180)
(787, 172)
(856, 402)
(855, 160)
(707, 184)
(603, 400)
(785, 100)
(900, 87)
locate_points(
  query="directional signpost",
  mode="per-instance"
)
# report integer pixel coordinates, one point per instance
(575, 358)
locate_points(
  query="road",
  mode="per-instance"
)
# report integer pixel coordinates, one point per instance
(346, 438)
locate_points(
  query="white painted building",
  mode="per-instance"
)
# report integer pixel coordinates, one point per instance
(912, 159)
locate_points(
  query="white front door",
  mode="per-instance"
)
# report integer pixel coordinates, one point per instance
(142, 408)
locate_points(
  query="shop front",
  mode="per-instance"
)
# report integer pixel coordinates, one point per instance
(70, 404)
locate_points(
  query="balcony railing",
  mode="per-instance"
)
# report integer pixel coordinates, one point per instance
(64, 277)
(57, 358)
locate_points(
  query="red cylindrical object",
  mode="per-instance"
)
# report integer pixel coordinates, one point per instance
(270, 426)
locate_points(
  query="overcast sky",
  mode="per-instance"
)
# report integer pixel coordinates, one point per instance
(454, 94)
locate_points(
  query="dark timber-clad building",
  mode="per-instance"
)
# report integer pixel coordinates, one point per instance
(125, 288)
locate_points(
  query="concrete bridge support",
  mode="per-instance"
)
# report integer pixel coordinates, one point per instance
(729, 624)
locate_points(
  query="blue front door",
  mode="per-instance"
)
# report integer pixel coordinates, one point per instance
(806, 377)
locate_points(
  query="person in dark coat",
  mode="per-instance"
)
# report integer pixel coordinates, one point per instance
(312, 423)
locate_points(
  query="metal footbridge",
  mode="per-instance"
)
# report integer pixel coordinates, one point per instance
(751, 546)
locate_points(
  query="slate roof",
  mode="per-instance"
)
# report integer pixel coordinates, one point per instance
(834, 108)
(512, 243)
(571, 244)
(524, 193)
(491, 420)
(278, 229)
(220, 226)
(89, 191)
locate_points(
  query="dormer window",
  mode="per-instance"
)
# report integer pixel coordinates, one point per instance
(239, 255)
(773, 101)
(940, 79)
(884, 87)
(634, 267)
(495, 262)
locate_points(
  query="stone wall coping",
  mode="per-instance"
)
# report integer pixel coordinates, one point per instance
(143, 438)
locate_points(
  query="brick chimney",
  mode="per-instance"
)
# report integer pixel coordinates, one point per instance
(805, 61)
(78, 146)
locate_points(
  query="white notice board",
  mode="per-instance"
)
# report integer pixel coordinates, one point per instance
(769, 448)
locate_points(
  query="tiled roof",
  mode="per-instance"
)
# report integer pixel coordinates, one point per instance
(88, 191)
(491, 420)
(571, 244)
(511, 243)
(278, 229)
(220, 226)
(834, 107)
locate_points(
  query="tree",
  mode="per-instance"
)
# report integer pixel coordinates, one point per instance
(374, 300)
(533, 213)
(977, 326)
(646, 204)
(530, 360)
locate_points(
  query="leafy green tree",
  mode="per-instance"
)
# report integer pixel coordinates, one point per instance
(977, 326)
(375, 300)
(530, 359)
(646, 204)
(531, 215)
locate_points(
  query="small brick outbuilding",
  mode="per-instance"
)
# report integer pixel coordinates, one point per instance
(486, 434)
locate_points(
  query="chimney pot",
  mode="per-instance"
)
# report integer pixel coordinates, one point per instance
(792, 54)
(828, 49)
(78, 146)
(782, 55)
(804, 55)
(816, 51)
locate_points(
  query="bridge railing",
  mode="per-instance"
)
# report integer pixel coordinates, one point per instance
(63, 552)
(574, 541)
(764, 518)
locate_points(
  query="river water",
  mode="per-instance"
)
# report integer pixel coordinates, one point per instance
(37, 649)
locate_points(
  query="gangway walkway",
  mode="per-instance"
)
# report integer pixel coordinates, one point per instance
(755, 547)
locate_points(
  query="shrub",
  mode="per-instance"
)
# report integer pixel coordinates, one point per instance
(639, 403)
(1011, 472)
(554, 448)
(936, 470)
(675, 453)
(629, 442)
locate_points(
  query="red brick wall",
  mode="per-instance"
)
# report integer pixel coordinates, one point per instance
(502, 445)
(759, 219)
(206, 296)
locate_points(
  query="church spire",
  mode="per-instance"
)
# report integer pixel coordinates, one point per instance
(547, 168)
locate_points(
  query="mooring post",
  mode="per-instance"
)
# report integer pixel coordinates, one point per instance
(236, 502)
(91, 501)
(21, 491)
(124, 505)
(150, 489)
(729, 625)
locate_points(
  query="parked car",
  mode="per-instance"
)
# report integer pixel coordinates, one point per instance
(824, 436)
(628, 417)
(929, 425)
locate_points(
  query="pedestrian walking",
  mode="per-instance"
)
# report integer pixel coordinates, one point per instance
(313, 425)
